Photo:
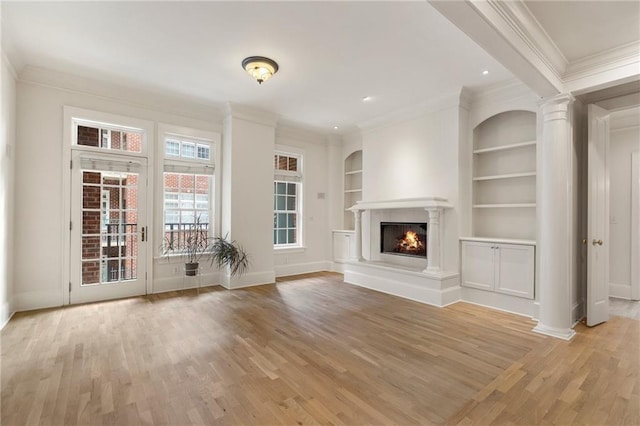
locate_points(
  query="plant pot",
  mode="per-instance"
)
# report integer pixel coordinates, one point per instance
(191, 269)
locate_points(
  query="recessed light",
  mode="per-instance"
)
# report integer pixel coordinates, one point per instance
(366, 99)
(485, 72)
(335, 127)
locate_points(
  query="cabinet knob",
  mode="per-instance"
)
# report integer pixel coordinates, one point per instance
(598, 242)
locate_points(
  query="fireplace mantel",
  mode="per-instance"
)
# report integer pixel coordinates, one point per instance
(407, 203)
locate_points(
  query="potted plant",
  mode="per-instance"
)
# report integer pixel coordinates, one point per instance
(195, 243)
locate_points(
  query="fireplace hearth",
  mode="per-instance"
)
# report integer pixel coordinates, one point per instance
(403, 239)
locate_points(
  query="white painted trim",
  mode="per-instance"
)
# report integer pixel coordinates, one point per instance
(254, 115)
(176, 283)
(564, 334)
(247, 280)
(635, 225)
(450, 100)
(407, 203)
(302, 268)
(499, 240)
(466, 299)
(10, 66)
(620, 291)
(603, 61)
(6, 308)
(36, 299)
(132, 96)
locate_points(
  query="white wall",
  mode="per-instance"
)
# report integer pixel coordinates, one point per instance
(39, 170)
(316, 219)
(417, 158)
(7, 150)
(623, 143)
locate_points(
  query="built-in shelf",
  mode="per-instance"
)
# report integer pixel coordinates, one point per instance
(353, 172)
(504, 206)
(505, 176)
(504, 147)
(353, 190)
(352, 185)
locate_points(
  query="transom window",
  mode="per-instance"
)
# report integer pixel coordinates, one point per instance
(109, 138)
(186, 149)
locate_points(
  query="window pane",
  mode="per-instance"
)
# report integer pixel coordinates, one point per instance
(291, 188)
(282, 236)
(281, 188)
(188, 150)
(282, 220)
(172, 148)
(187, 217)
(202, 201)
(291, 220)
(291, 203)
(186, 201)
(293, 164)
(109, 139)
(275, 237)
(204, 152)
(291, 236)
(282, 163)
(281, 202)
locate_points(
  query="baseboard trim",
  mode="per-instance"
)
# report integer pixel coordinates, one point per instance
(620, 291)
(558, 333)
(7, 320)
(301, 268)
(248, 280)
(175, 283)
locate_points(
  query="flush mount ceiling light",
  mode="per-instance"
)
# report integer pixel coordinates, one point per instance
(260, 68)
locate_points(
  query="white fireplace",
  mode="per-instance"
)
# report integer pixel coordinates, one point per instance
(415, 277)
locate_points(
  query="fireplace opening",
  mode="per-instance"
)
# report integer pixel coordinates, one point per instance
(403, 238)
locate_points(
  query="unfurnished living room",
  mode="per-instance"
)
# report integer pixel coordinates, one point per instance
(347, 213)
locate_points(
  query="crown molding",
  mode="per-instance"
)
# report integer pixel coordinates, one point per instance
(522, 21)
(459, 98)
(293, 132)
(503, 91)
(247, 113)
(151, 100)
(10, 67)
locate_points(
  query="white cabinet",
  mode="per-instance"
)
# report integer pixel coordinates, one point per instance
(499, 267)
(343, 245)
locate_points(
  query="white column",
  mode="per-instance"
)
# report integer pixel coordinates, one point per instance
(555, 220)
(358, 231)
(433, 240)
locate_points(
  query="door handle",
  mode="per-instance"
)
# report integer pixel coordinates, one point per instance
(144, 233)
(598, 242)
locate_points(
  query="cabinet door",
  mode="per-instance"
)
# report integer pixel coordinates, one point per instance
(515, 270)
(478, 265)
(341, 246)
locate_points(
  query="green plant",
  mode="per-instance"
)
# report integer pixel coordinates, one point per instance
(228, 253)
(194, 244)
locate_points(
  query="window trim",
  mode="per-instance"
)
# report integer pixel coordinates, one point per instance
(196, 136)
(297, 177)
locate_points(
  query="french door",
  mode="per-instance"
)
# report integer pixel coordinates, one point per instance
(108, 227)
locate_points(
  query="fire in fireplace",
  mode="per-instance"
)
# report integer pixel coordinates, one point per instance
(408, 239)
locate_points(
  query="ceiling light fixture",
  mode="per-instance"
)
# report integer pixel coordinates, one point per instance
(260, 68)
(366, 99)
(485, 72)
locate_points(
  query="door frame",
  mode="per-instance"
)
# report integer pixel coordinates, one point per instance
(71, 117)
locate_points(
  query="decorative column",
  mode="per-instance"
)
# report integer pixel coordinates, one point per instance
(358, 231)
(555, 218)
(433, 240)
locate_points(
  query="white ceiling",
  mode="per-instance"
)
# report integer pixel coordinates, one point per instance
(331, 54)
(584, 28)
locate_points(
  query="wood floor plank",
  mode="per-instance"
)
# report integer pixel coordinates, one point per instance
(309, 350)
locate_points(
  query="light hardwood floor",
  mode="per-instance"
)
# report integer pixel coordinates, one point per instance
(310, 350)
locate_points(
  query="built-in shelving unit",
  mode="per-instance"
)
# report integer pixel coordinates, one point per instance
(504, 176)
(352, 185)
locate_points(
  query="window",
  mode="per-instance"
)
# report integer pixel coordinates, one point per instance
(187, 187)
(287, 200)
(109, 138)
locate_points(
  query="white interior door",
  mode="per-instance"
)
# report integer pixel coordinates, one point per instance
(598, 217)
(108, 227)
